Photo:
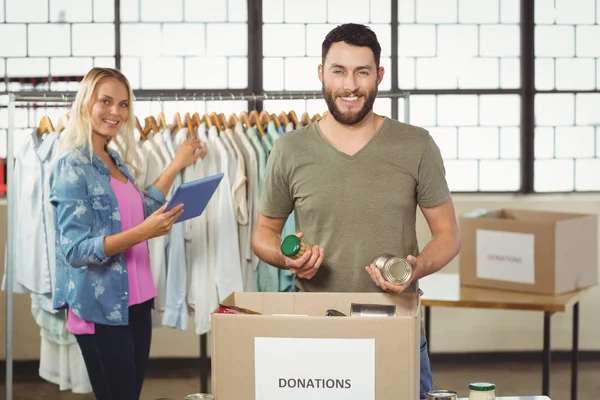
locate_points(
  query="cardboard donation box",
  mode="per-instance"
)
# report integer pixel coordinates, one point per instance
(529, 251)
(293, 351)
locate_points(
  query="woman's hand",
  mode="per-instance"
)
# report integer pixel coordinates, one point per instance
(189, 151)
(159, 223)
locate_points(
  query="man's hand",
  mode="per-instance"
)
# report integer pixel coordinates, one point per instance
(390, 287)
(308, 264)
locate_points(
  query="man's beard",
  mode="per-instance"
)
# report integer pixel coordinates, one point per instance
(349, 117)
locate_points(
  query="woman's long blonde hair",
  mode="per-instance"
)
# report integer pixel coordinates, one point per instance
(78, 132)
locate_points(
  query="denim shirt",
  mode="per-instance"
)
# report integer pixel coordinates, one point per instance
(85, 209)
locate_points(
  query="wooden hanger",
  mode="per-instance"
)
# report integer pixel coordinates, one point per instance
(305, 118)
(177, 124)
(139, 128)
(223, 121)
(255, 116)
(63, 120)
(162, 122)
(233, 119)
(265, 118)
(151, 125)
(207, 121)
(293, 117)
(316, 117)
(283, 117)
(189, 124)
(196, 121)
(245, 119)
(277, 121)
(215, 121)
(45, 126)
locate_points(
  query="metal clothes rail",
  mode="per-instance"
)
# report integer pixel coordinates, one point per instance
(140, 95)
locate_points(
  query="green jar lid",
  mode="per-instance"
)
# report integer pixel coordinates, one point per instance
(290, 246)
(482, 386)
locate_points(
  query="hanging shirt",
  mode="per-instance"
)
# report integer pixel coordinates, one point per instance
(231, 157)
(261, 153)
(271, 132)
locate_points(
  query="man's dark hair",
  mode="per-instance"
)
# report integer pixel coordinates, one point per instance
(354, 34)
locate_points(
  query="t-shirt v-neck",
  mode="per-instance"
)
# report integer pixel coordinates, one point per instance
(361, 150)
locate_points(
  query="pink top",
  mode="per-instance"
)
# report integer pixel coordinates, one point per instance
(137, 259)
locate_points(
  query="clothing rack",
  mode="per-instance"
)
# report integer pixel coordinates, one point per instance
(139, 95)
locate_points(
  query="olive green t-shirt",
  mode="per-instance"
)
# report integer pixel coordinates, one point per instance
(355, 207)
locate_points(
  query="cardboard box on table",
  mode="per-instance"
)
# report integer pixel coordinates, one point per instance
(529, 251)
(293, 351)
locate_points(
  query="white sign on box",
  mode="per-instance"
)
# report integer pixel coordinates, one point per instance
(505, 256)
(316, 369)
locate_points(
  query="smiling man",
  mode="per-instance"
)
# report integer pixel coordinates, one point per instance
(354, 180)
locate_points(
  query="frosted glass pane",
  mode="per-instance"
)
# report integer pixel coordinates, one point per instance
(93, 39)
(457, 41)
(499, 175)
(1, 10)
(106, 62)
(510, 143)
(386, 83)
(500, 40)
(474, 143)
(554, 109)
(478, 11)
(437, 73)
(227, 39)
(206, 72)
(272, 11)
(206, 10)
(588, 38)
(159, 73)
(238, 72)
(17, 45)
(462, 175)
(544, 73)
(554, 175)
(416, 40)
(2, 68)
(130, 10)
(273, 74)
(26, 10)
(544, 142)
(576, 74)
(447, 140)
(384, 37)
(30, 67)
(301, 74)
(237, 11)
(588, 105)
(510, 73)
(160, 10)
(275, 45)
(575, 11)
(305, 11)
(437, 11)
(575, 142)
(510, 11)
(479, 73)
(383, 107)
(183, 39)
(315, 34)
(381, 11)
(49, 40)
(342, 11)
(104, 11)
(406, 73)
(71, 10)
(545, 12)
(314, 106)
(586, 175)
(503, 110)
(423, 110)
(554, 41)
(457, 110)
(130, 66)
(406, 11)
(140, 39)
(70, 66)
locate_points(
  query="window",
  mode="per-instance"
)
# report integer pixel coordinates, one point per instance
(185, 44)
(567, 150)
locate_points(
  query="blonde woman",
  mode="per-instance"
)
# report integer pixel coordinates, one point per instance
(102, 224)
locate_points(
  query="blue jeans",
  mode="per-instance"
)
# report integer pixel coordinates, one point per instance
(426, 380)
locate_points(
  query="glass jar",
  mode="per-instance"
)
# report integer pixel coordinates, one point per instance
(199, 396)
(482, 391)
(441, 395)
(293, 247)
(394, 269)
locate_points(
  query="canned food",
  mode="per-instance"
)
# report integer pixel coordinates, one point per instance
(441, 395)
(199, 396)
(293, 247)
(394, 269)
(372, 310)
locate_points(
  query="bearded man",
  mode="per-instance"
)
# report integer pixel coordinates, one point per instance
(354, 180)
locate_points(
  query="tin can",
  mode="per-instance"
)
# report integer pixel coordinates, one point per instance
(372, 310)
(199, 396)
(441, 395)
(394, 269)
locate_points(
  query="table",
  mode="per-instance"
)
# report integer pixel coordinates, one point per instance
(444, 290)
(516, 398)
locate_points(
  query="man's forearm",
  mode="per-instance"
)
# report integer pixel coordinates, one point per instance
(442, 248)
(266, 245)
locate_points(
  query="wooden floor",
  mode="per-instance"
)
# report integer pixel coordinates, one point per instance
(511, 379)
